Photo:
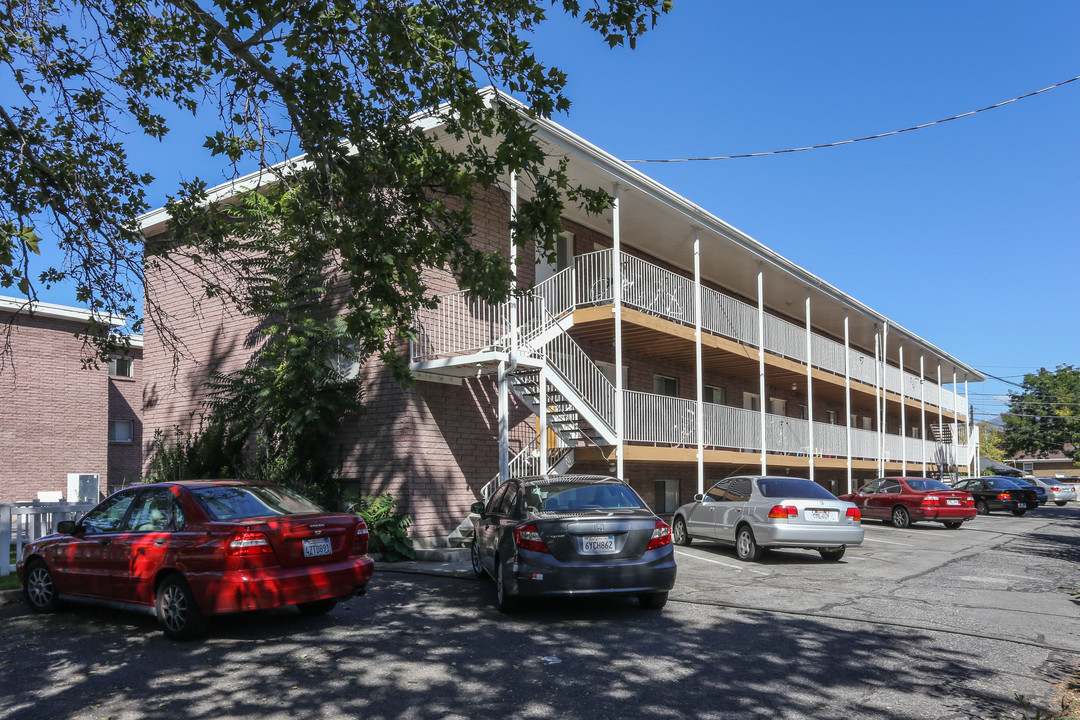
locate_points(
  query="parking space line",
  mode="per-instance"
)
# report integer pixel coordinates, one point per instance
(717, 562)
(887, 542)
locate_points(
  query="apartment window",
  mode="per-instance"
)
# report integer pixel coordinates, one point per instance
(121, 431)
(608, 369)
(804, 413)
(867, 423)
(751, 401)
(715, 395)
(777, 406)
(664, 385)
(121, 367)
(1029, 468)
(666, 497)
(830, 417)
(915, 431)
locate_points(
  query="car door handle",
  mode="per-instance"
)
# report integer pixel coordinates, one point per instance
(159, 542)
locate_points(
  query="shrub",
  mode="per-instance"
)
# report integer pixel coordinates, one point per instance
(388, 532)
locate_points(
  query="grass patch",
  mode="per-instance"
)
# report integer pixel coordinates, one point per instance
(10, 582)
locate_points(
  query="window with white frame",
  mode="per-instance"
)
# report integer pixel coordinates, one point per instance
(804, 412)
(751, 401)
(915, 431)
(666, 498)
(664, 385)
(830, 417)
(777, 406)
(121, 431)
(715, 395)
(120, 366)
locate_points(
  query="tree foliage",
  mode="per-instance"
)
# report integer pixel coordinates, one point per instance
(991, 442)
(339, 83)
(1045, 417)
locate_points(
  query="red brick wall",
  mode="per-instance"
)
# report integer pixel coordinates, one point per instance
(53, 412)
(125, 403)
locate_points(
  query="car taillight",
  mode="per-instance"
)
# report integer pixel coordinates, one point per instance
(855, 514)
(969, 500)
(527, 537)
(1055, 488)
(661, 535)
(361, 545)
(248, 543)
(784, 511)
(1004, 496)
(931, 500)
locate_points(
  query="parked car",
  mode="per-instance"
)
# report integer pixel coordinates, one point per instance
(905, 500)
(1057, 492)
(572, 535)
(188, 550)
(994, 492)
(1040, 491)
(756, 513)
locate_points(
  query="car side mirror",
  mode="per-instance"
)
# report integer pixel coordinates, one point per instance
(699, 498)
(478, 508)
(66, 527)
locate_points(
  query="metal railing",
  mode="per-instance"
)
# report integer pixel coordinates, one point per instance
(22, 522)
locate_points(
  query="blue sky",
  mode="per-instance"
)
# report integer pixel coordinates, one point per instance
(965, 232)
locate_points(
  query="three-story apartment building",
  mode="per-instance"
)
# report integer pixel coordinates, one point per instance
(662, 345)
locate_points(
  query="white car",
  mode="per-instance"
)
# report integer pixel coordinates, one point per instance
(1058, 492)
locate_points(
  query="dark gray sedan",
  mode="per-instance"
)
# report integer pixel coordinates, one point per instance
(572, 535)
(755, 513)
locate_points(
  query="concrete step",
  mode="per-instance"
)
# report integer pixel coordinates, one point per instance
(446, 554)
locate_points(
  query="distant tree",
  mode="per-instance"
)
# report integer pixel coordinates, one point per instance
(991, 442)
(1045, 417)
(339, 83)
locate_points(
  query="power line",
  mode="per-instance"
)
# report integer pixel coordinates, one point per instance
(868, 137)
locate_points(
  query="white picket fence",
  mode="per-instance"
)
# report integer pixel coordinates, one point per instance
(22, 522)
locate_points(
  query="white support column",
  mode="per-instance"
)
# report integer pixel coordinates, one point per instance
(544, 450)
(699, 414)
(972, 456)
(940, 421)
(810, 385)
(903, 416)
(616, 278)
(877, 397)
(761, 359)
(504, 423)
(847, 393)
(955, 425)
(922, 406)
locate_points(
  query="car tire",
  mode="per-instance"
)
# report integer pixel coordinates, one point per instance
(1019, 513)
(1061, 503)
(39, 588)
(900, 517)
(953, 524)
(506, 602)
(981, 508)
(679, 534)
(746, 548)
(318, 607)
(177, 612)
(474, 556)
(653, 601)
(832, 554)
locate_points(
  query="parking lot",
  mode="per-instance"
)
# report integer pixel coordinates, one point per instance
(917, 623)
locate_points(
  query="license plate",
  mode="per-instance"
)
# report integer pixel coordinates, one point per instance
(1021, 505)
(316, 547)
(952, 501)
(598, 545)
(820, 515)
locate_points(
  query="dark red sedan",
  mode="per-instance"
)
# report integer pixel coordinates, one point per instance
(188, 550)
(903, 501)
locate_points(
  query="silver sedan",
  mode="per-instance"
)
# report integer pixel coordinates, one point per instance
(755, 513)
(1058, 493)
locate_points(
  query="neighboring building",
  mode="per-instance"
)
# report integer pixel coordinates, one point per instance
(1055, 465)
(839, 392)
(61, 415)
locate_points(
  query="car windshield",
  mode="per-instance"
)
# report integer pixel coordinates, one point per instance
(239, 502)
(793, 488)
(576, 496)
(921, 485)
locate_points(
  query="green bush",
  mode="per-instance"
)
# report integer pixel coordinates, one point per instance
(388, 532)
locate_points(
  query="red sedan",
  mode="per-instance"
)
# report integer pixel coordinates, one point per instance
(903, 501)
(191, 549)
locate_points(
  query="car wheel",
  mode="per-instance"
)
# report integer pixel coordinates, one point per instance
(1019, 513)
(39, 589)
(504, 600)
(679, 533)
(953, 524)
(746, 548)
(900, 517)
(474, 555)
(1061, 503)
(177, 612)
(980, 508)
(832, 554)
(317, 607)
(653, 601)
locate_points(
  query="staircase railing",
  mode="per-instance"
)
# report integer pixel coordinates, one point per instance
(527, 463)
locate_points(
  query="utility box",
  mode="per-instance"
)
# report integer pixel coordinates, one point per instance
(83, 487)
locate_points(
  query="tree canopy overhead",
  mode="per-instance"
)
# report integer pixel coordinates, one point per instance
(340, 82)
(1044, 418)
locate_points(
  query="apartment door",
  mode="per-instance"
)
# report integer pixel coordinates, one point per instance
(564, 258)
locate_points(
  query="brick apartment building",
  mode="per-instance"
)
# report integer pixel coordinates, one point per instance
(733, 360)
(60, 417)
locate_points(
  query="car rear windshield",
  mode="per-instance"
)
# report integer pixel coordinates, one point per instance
(793, 488)
(920, 485)
(239, 502)
(575, 496)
